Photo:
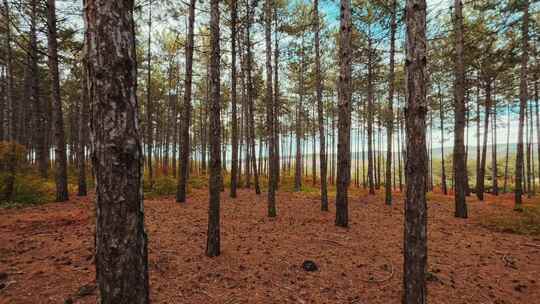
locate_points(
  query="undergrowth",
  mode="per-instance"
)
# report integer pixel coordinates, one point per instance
(526, 222)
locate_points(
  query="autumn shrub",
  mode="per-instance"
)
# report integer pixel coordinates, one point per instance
(526, 222)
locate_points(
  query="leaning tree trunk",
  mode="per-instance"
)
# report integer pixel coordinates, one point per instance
(344, 116)
(270, 110)
(59, 136)
(415, 251)
(460, 165)
(184, 162)
(121, 241)
(390, 122)
(234, 139)
(523, 96)
(320, 110)
(213, 240)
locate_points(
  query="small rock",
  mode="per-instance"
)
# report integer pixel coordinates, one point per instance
(520, 287)
(309, 266)
(3, 276)
(68, 301)
(2, 286)
(86, 290)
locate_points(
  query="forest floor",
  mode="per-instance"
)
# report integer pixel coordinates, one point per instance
(46, 252)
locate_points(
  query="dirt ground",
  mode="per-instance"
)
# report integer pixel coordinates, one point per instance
(46, 253)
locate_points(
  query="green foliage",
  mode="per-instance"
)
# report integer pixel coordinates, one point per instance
(526, 222)
(29, 189)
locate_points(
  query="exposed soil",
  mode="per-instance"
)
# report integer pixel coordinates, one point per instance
(46, 253)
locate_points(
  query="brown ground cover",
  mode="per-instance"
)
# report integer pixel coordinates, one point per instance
(46, 253)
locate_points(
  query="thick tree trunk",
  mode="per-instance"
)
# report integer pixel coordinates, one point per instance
(186, 111)
(234, 139)
(415, 251)
(390, 122)
(121, 242)
(213, 240)
(460, 164)
(270, 110)
(320, 110)
(59, 136)
(344, 124)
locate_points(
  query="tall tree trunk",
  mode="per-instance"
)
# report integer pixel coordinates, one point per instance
(495, 182)
(299, 117)
(234, 162)
(482, 168)
(117, 153)
(213, 240)
(390, 122)
(344, 108)
(270, 110)
(277, 105)
(83, 130)
(10, 134)
(149, 106)
(415, 250)
(523, 96)
(459, 161)
(251, 97)
(370, 112)
(443, 169)
(320, 109)
(186, 111)
(59, 137)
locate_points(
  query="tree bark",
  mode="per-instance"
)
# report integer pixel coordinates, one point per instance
(121, 242)
(415, 251)
(320, 110)
(234, 161)
(59, 136)
(344, 116)
(390, 122)
(186, 111)
(523, 96)
(270, 110)
(213, 241)
(482, 168)
(83, 131)
(149, 105)
(460, 165)
(443, 169)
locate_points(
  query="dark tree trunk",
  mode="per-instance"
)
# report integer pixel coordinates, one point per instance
(370, 110)
(415, 251)
(186, 111)
(270, 110)
(277, 106)
(59, 137)
(320, 110)
(234, 161)
(121, 242)
(344, 124)
(251, 97)
(299, 117)
(495, 182)
(482, 168)
(149, 105)
(460, 164)
(390, 122)
(443, 169)
(213, 241)
(83, 132)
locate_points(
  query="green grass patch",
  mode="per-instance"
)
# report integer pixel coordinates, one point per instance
(526, 222)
